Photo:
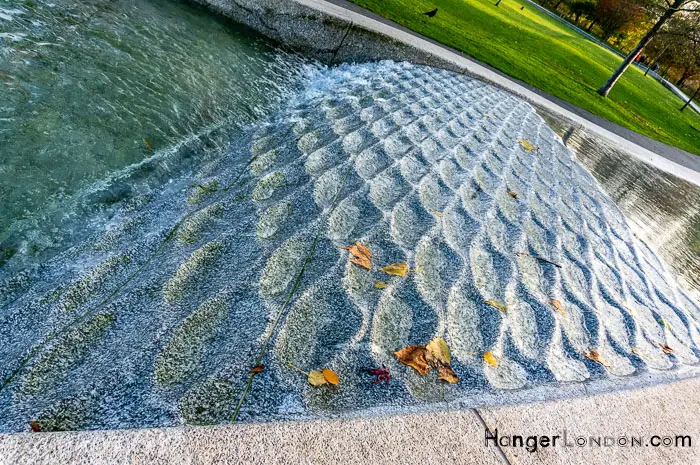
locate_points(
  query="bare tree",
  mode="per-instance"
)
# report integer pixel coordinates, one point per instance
(666, 12)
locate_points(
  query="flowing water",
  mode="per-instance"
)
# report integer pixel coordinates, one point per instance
(177, 193)
(102, 100)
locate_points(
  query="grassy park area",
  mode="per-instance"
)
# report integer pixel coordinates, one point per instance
(530, 46)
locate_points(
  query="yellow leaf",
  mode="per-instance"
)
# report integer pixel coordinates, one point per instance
(439, 350)
(446, 373)
(414, 356)
(557, 304)
(380, 285)
(437, 213)
(490, 359)
(316, 378)
(513, 194)
(396, 269)
(526, 145)
(361, 255)
(330, 376)
(497, 305)
(595, 356)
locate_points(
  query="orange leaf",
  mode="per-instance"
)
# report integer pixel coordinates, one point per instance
(513, 194)
(666, 349)
(414, 356)
(595, 356)
(557, 304)
(257, 369)
(396, 269)
(490, 359)
(35, 426)
(361, 255)
(330, 376)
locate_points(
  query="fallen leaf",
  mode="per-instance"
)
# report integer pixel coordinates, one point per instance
(382, 374)
(490, 359)
(330, 376)
(595, 356)
(446, 373)
(497, 305)
(361, 255)
(36, 428)
(396, 269)
(316, 378)
(148, 144)
(438, 214)
(438, 350)
(380, 285)
(414, 356)
(526, 145)
(636, 351)
(257, 369)
(663, 323)
(666, 349)
(557, 304)
(513, 194)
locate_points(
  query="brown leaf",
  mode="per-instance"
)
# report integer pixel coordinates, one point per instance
(438, 350)
(557, 304)
(666, 349)
(380, 285)
(330, 376)
(316, 378)
(497, 305)
(257, 369)
(438, 214)
(414, 356)
(595, 356)
(148, 144)
(36, 428)
(513, 194)
(396, 269)
(446, 373)
(490, 359)
(361, 255)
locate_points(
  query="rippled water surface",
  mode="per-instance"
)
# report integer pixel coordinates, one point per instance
(90, 89)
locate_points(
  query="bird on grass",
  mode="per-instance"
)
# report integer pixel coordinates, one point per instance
(430, 14)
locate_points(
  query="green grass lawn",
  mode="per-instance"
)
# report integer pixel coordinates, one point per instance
(531, 46)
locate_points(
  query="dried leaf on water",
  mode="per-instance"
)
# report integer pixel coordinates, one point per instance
(666, 349)
(382, 374)
(361, 255)
(438, 350)
(595, 356)
(380, 285)
(490, 359)
(148, 144)
(396, 269)
(415, 357)
(513, 194)
(557, 304)
(526, 145)
(36, 428)
(497, 305)
(446, 373)
(316, 378)
(330, 376)
(257, 369)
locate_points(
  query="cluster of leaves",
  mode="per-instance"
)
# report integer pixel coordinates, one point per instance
(435, 354)
(362, 256)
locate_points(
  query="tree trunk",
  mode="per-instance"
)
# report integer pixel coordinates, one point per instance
(684, 76)
(605, 90)
(691, 98)
(655, 60)
(665, 71)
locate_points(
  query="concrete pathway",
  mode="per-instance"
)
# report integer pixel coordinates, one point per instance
(665, 411)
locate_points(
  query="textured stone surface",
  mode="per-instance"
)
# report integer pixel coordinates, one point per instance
(422, 165)
(432, 438)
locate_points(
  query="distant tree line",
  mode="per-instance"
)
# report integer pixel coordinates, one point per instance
(664, 34)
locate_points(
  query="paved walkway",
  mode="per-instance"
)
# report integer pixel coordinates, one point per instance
(664, 410)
